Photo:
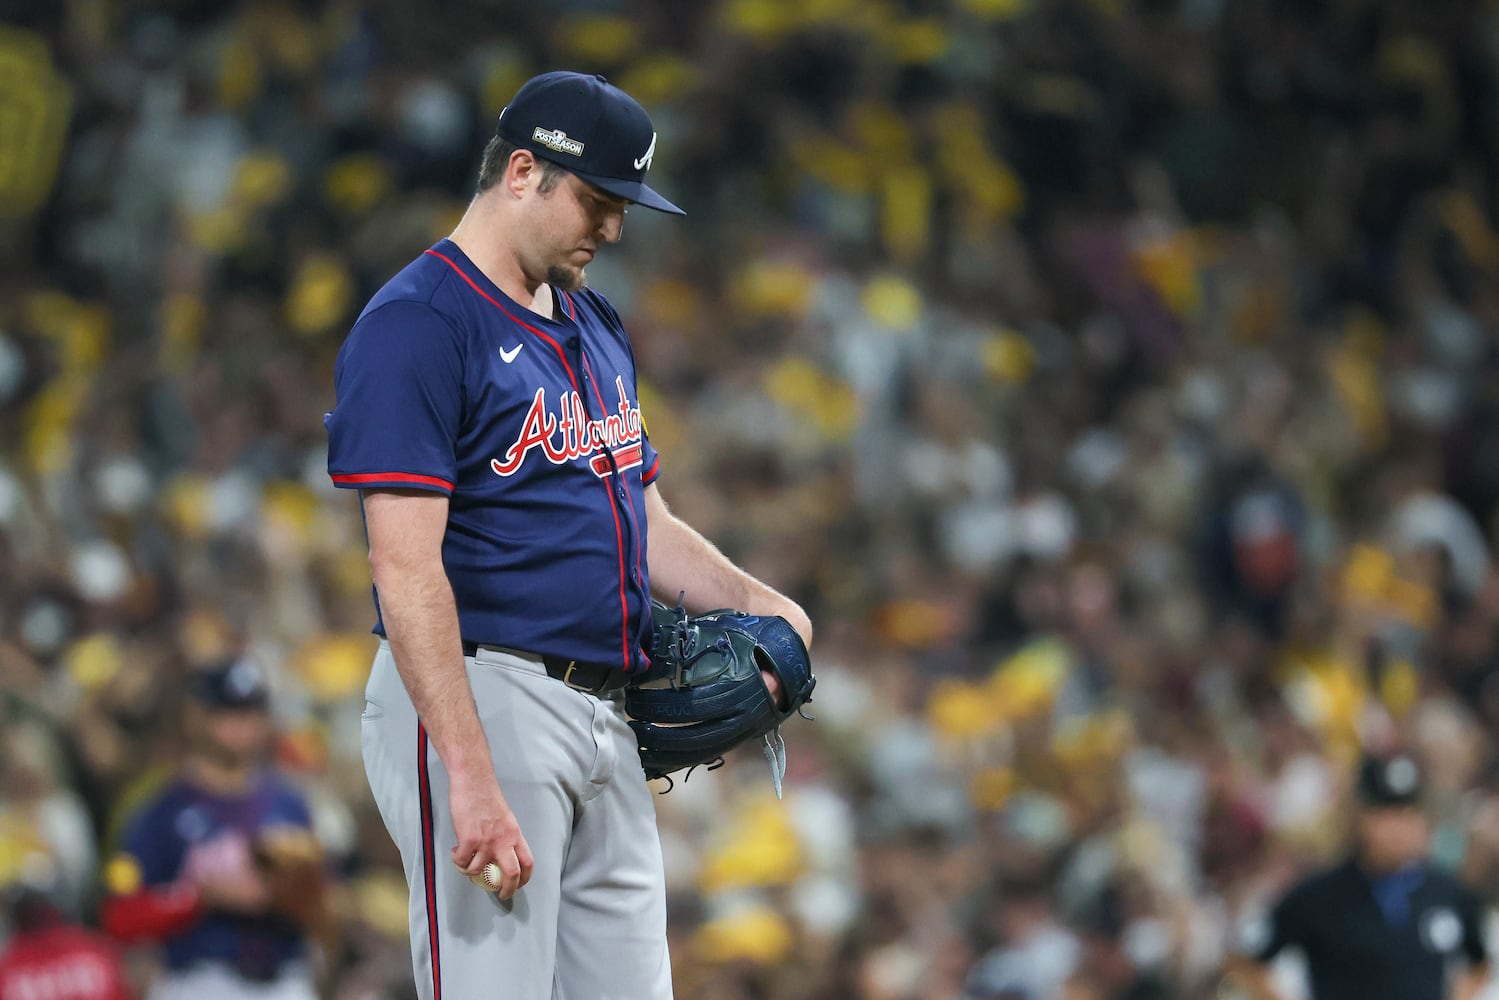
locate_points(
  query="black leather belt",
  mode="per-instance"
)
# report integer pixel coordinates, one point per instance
(593, 678)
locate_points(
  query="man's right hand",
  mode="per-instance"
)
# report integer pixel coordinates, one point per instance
(488, 831)
(406, 529)
(245, 892)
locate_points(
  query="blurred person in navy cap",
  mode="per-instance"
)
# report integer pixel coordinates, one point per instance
(1382, 923)
(48, 956)
(220, 866)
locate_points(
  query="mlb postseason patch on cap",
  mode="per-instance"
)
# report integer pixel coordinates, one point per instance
(591, 128)
(557, 141)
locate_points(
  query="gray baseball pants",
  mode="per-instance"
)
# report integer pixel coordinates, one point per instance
(591, 923)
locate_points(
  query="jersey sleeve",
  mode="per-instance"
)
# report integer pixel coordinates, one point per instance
(399, 390)
(150, 853)
(288, 809)
(650, 468)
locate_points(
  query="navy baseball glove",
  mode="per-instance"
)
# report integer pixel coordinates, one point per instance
(704, 695)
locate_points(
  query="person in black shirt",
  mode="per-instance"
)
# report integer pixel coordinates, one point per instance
(1382, 924)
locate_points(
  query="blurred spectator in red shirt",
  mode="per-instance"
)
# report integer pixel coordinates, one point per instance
(49, 958)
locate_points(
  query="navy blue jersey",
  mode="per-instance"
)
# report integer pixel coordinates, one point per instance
(532, 427)
(186, 832)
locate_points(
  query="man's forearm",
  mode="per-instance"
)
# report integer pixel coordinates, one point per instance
(421, 622)
(406, 529)
(684, 562)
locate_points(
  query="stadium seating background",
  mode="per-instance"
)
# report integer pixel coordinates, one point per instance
(1115, 382)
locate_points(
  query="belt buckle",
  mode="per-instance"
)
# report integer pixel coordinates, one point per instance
(567, 676)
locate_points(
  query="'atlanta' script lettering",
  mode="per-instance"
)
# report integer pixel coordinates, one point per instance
(570, 434)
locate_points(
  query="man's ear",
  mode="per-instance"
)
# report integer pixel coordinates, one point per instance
(522, 171)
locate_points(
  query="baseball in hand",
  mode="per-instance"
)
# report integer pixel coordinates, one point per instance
(490, 878)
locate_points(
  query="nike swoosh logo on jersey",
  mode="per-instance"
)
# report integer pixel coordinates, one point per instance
(509, 356)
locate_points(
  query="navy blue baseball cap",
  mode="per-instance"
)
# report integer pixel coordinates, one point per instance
(237, 684)
(589, 127)
(1393, 781)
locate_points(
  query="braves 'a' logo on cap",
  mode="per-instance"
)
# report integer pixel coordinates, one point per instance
(558, 140)
(644, 163)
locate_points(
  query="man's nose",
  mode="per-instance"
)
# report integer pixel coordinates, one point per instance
(613, 225)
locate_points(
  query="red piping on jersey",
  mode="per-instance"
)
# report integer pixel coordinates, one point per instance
(648, 474)
(354, 479)
(513, 318)
(634, 518)
(624, 601)
(619, 538)
(429, 863)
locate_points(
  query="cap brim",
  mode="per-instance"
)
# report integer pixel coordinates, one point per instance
(213, 699)
(1383, 798)
(635, 191)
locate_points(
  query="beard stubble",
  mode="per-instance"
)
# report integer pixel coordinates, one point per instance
(566, 279)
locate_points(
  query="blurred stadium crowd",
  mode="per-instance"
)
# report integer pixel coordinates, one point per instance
(1115, 381)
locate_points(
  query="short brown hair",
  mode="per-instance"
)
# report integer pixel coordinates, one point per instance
(497, 156)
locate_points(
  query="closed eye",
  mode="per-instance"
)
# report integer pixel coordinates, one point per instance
(607, 204)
